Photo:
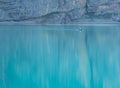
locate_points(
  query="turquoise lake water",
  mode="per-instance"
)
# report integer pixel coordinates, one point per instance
(60, 56)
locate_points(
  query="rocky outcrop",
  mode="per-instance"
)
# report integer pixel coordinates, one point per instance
(59, 11)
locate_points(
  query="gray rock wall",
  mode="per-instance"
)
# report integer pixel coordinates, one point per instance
(59, 11)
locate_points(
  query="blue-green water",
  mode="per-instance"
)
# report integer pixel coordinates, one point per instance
(60, 56)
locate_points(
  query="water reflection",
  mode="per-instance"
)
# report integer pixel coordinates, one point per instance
(59, 57)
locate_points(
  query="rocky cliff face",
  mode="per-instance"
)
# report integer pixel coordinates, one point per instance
(59, 11)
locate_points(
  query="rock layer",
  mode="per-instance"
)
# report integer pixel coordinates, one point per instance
(59, 11)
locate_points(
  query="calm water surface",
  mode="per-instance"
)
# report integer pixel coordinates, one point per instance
(59, 56)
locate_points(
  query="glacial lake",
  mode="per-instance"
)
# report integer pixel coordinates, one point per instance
(54, 56)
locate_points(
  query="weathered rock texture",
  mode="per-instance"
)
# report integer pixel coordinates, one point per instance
(59, 11)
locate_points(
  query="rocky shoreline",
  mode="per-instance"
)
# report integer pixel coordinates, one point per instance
(59, 11)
